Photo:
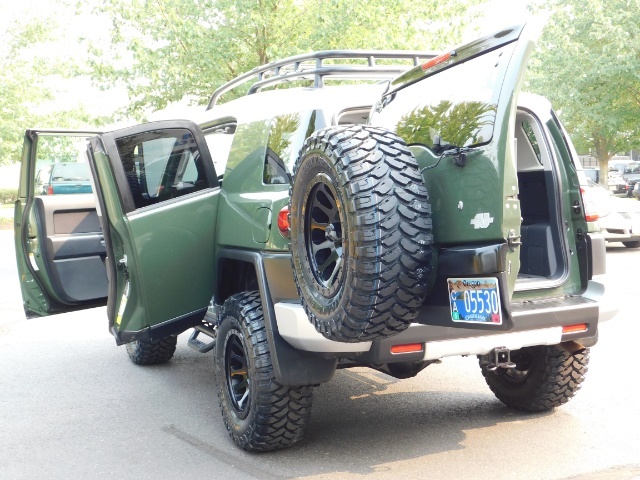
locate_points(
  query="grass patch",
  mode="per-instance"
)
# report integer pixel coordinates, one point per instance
(6, 223)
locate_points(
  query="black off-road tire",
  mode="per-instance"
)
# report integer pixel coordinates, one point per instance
(545, 377)
(635, 244)
(152, 353)
(361, 238)
(259, 413)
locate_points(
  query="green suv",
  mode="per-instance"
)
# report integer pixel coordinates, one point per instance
(420, 209)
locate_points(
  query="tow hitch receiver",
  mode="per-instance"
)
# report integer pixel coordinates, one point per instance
(499, 357)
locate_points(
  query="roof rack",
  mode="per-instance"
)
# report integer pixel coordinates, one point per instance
(315, 66)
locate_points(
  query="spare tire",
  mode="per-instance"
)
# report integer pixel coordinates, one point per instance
(361, 240)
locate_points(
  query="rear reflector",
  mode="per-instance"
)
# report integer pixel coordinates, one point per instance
(407, 348)
(578, 328)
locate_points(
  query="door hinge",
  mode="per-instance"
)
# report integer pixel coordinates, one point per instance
(513, 240)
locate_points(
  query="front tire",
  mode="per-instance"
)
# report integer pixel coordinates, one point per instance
(154, 352)
(361, 239)
(545, 377)
(259, 413)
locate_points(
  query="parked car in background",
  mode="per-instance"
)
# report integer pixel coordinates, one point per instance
(619, 164)
(636, 191)
(615, 181)
(42, 180)
(597, 199)
(631, 175)
(619, 219)
(64, 178)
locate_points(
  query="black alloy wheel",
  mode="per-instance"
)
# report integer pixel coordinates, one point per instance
(237, 374)
(323, 237)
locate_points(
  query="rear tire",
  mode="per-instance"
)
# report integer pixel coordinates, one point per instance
(635, 244)
(545, 377)
(259, 413)
(361, 239)
(153, 352)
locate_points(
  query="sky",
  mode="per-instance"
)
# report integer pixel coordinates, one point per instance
(498, 13)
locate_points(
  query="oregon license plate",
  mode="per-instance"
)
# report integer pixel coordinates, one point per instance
(475, 300)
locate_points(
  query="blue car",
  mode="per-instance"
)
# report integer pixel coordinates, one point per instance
(67, 178)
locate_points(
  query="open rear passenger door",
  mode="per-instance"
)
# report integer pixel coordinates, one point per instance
(157, 197)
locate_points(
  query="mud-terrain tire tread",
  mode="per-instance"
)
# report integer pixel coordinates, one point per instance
(154, 352)
(389, 229)
(553, 379)
(278, 414)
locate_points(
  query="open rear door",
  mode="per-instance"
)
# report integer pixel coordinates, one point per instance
(157, 198)
(457, 113)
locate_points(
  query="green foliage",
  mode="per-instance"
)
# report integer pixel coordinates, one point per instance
(165, 51)
(28, 72)
(8, 195)
(588, 65)
(446, 124)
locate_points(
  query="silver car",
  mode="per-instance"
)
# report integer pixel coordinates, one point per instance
(619, 219)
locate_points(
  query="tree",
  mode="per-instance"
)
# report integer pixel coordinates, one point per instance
(165, 51)
(30, 75)
(588, 65)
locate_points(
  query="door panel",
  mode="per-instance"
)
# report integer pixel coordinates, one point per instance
(69, 246)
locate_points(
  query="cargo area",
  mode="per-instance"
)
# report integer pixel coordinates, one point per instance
(541, 253)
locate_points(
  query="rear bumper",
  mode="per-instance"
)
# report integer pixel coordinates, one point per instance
(535, 323)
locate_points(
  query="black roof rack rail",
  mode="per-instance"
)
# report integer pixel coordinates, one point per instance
(314, 66)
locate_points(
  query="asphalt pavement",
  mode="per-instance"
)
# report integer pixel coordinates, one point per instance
(72, 406)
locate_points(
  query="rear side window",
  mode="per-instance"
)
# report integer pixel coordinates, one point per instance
(533, 141)
(161, 165)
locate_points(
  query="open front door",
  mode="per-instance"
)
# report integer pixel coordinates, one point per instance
(158, 196)
(59, 246)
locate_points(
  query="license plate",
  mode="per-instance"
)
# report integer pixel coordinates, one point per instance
(475, 300)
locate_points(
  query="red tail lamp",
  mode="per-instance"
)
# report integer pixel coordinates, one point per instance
(283, 222)
(436, 60)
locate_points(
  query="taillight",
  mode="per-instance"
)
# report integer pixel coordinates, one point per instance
(283, 222)
(436, 60)
(49, 190)
(590, 205)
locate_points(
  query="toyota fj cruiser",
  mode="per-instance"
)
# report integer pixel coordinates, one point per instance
(419, 210)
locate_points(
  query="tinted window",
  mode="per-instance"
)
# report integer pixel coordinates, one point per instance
(455, 107)
(592, 175)
(161, 165)
(70, 172)
(531, 136)
(632, 168)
